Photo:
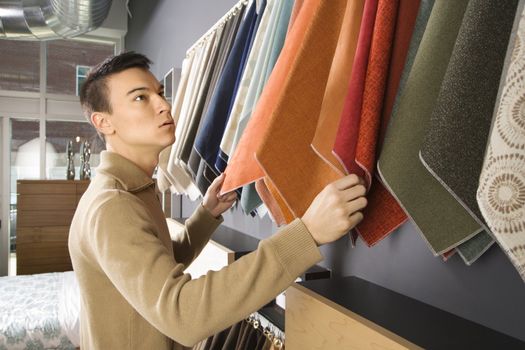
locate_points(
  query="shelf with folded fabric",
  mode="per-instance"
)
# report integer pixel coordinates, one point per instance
(235, 244)
(354, 313)
(232, 243)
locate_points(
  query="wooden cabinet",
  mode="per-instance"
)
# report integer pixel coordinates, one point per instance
(45, 209)
(351, 313)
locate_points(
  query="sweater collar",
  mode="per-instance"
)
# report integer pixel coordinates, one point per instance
(128, 174)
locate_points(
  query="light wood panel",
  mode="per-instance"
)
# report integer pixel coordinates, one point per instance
(314, 322)
(213, 256)
(165, 201)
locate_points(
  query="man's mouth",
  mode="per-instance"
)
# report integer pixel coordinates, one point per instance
(169, 122)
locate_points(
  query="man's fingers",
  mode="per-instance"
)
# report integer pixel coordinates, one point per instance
(217, 183)
(355, 219)
(232, 196)
(356, 205)
(347, 182)
(229, 196)
(354, 192)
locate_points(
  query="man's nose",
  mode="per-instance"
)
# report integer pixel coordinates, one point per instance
(163, 105)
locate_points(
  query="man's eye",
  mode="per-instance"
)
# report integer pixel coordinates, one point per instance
(140, 98)
(161, 94)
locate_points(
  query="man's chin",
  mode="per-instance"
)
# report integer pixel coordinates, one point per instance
(169, 143)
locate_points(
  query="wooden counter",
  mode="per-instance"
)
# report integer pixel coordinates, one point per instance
(351, 313)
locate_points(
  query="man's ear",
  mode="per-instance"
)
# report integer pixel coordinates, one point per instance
(102, 123)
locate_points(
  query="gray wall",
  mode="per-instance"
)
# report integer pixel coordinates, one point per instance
(165, 29)
(490, 292)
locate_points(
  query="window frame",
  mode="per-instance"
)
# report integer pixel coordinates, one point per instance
(78, 76)
(35, 105)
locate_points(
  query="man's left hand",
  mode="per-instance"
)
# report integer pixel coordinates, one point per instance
(215, 203)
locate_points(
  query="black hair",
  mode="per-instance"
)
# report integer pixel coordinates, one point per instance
(94, 94)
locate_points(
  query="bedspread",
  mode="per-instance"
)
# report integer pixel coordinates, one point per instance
(39, 311)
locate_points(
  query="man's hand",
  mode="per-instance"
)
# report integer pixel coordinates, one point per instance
(336, 209)
(216, 204)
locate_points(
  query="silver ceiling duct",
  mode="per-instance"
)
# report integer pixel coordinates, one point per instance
(50, 19)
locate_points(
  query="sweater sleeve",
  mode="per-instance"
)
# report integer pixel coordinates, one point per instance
(186, 310)
(198, 229)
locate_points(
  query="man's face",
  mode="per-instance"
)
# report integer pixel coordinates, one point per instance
(141, 116)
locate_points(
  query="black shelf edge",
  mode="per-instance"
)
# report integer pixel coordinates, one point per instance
(274, 314)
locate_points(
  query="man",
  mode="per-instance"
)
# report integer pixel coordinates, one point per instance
(134, 294)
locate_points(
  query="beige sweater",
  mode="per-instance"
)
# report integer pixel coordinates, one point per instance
(134, 294)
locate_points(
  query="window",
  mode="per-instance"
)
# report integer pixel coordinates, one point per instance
(66, 65)
(25, 149)
(25, 162)
(168, 86)
(58, 134)
(82, 72)
(20, 67)
(63, 58)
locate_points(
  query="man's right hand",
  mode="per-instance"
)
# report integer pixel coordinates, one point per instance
(336, 209)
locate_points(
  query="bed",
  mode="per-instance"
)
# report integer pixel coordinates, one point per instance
(39, 311)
